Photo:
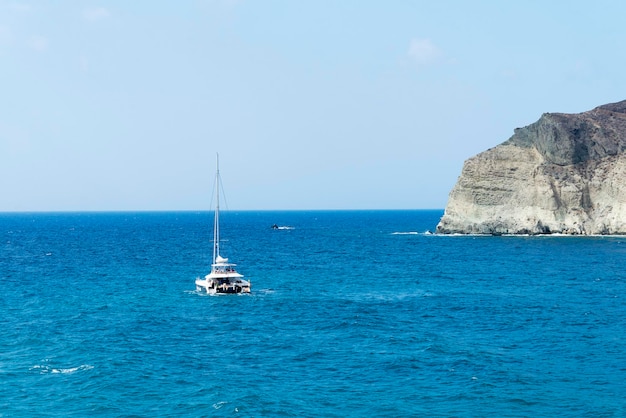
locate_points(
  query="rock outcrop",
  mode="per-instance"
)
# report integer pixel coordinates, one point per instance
(565, 173)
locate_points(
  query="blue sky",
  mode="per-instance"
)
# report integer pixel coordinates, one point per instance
(119, 105)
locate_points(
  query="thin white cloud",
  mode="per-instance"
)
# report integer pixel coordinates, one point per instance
(38, 43)
(423, 52)
(97, 13)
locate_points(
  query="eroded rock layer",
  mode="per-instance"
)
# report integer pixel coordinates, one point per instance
(565, 173)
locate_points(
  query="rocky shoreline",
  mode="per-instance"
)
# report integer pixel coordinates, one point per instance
(564, 174)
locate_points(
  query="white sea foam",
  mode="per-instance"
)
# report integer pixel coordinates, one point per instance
(73, 369)
(405, 233)
(45, 369)
(265, 291)
(219, 405)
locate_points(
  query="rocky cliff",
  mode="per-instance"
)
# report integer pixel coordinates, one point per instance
(565, 173)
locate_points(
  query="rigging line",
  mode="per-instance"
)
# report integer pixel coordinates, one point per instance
(223, 192)
(210, 212)
(212, 201)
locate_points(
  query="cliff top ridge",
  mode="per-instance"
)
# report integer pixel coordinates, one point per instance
(565, 139)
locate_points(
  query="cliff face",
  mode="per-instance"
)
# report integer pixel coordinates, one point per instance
(565, 173)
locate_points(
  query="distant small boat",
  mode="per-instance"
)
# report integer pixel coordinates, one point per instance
(223, 278)
(275, 226)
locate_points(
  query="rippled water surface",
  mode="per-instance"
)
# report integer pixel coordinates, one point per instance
(352, 314)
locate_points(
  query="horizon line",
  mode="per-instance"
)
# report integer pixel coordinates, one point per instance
(42, 211)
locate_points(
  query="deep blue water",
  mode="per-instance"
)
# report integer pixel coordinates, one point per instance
(353, 313)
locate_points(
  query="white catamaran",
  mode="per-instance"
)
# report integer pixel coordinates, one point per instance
(223, 278)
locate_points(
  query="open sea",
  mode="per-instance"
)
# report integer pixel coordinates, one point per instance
(352, 314)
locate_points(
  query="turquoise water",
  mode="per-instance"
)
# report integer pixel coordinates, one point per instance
(353, 313)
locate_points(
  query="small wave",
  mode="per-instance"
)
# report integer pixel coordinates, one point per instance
(46, 369)
(219, 405)
(203, 293)
(405, 233)
(456, 234)
(264, 291)
(198, 292)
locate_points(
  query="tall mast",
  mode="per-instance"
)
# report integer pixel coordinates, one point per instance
(216, 221)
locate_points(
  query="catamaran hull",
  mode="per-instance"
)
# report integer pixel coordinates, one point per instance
(214, 288)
